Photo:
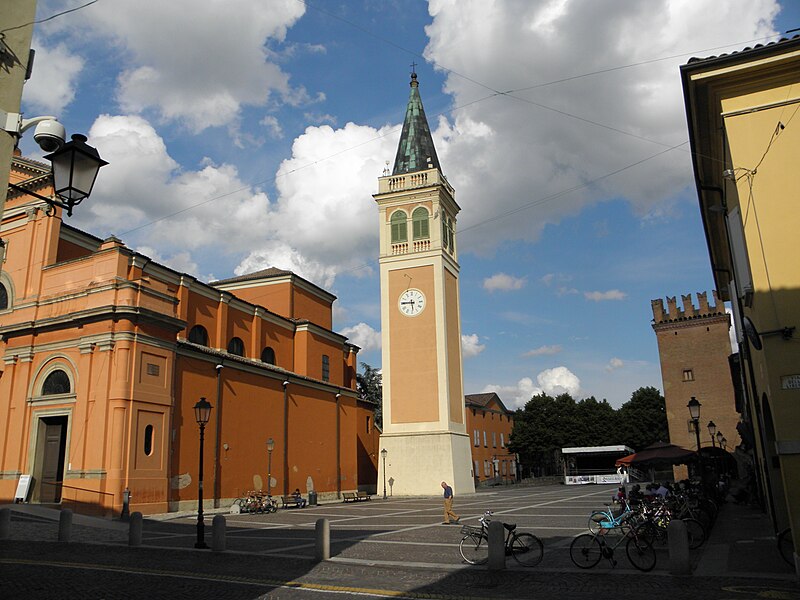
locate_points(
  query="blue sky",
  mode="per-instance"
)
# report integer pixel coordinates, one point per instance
(243, 135)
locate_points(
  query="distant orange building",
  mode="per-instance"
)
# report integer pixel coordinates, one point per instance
(105, 353)
(490, 423)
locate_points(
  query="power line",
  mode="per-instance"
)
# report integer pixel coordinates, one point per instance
(50, 18)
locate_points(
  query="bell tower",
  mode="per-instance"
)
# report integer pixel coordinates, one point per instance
(424, 424)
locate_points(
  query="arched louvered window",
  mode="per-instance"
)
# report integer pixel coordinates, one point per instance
(3, 297)
(198, 335)
(268, 356)
(421, 225)
(399, 226)
(236, 346)
(56, 382)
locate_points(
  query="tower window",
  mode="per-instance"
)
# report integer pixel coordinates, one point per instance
(399, 226)
(268, 356)
(688, 375)
(148, 440)
(421, 225)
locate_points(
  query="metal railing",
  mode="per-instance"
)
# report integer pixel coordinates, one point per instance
(84, 501)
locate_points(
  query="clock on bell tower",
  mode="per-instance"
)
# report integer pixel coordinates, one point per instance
(424, 425)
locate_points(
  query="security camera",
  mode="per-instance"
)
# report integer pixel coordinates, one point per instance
(50, 135)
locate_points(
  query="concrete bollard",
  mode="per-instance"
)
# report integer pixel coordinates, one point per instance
(5, 523)
(135, 529)
(218, 534)
(65, 525)
(678, 541)
(322, 546)
(497, 546)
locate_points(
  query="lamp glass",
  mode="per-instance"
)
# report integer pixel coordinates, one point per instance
(712, 428)
(270, 445)
(720, 437)
(384, 452)
(694, 408)
(202, 411)
(75, 167)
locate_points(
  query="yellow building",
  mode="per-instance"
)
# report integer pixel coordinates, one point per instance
(745, 143)
(424, 423)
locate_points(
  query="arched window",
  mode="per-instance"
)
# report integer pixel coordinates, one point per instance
(198, 335)
(421, 228)
(236, 346)
(3, 297)
(399, 226)
(268, 356)
(56, 382)
(445, 240)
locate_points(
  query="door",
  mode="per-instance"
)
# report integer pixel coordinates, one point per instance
(53, 452)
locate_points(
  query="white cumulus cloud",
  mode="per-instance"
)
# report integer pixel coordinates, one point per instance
(363, 336)
(615, 363)
(603, 296)
(503, 282)
(471, 346)
(54, 78)
(555, 381)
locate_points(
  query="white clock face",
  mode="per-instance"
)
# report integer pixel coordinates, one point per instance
(411, 302)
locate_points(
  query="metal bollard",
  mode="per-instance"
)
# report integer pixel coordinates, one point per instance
(497, 546)
(218, 534)
(126, 504)
(5, 523)
(135, 529)
(322, 546)
(678, 540)
(65, 525)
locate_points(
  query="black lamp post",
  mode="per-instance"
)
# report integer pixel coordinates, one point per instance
(694, 413)
(202, 412)
(720, 437)
(270, 448)
(712, 429)
(75, 167)
(724, 444)
(384, 452)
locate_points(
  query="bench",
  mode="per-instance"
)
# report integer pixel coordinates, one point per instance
(291, 502)
(355, 496)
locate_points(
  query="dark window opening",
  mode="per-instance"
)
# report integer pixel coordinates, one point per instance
(236, 346)
(56, 382)
(198, 335)
(148, 440)
(268, 356)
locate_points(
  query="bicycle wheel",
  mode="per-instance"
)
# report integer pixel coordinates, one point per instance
(474, 549)
(695, 532)
(640, 553)
(585, 551)
(786, 546)
(527, 549)
(595, 520)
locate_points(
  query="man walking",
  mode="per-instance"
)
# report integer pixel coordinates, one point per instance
(449, 515)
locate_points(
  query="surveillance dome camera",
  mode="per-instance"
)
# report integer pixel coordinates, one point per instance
(50, 135)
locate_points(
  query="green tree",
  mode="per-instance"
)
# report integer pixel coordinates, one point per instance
(643, 419)
(370, 388)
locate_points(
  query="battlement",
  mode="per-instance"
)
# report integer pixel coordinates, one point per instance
(673, 313)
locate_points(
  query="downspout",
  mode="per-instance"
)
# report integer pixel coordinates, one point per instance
(338, 448)
(218, 435)
(286, 438)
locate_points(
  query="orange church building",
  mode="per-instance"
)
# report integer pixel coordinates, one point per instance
(490, 423)
(106, 352)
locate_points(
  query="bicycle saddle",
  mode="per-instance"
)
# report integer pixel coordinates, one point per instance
(510, 526)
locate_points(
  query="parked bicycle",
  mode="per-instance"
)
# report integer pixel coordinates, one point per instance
(587, 549)
(256, 502)
(526, 548)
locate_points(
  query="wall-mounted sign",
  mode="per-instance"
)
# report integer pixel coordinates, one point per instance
(23, 487)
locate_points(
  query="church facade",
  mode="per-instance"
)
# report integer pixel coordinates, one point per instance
(105, 353)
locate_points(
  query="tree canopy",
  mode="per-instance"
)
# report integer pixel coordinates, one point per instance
(369, 385)
(547, 424)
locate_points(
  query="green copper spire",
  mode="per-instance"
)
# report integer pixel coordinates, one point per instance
(416, 151)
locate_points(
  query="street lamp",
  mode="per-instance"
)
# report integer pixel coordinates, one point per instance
(384, 452)
(270, 448)
(712, 429)
(75, 167)
(720, 437)
(724, 444)
(202, 412)
(694, 413)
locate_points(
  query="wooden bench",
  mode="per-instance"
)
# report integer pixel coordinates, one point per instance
(291, 502)
(355, 496)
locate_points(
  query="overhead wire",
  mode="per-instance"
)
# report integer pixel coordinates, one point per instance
(50, 18)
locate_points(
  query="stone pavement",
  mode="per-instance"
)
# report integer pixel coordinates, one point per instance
(738, 561)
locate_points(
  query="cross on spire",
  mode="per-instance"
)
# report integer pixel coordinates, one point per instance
(413, 67)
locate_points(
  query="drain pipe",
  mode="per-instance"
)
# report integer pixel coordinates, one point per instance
(218, 435)
(338, 448)
(286, 438)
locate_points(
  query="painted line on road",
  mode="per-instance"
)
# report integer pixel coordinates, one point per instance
(268, 583)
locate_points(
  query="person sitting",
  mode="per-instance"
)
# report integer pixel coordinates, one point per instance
(662, 490)
(301, 502)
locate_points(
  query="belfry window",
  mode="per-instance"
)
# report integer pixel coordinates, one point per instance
(421, 225)
(399, 226)
(236, 346)
(268, 356)
(198, 335)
